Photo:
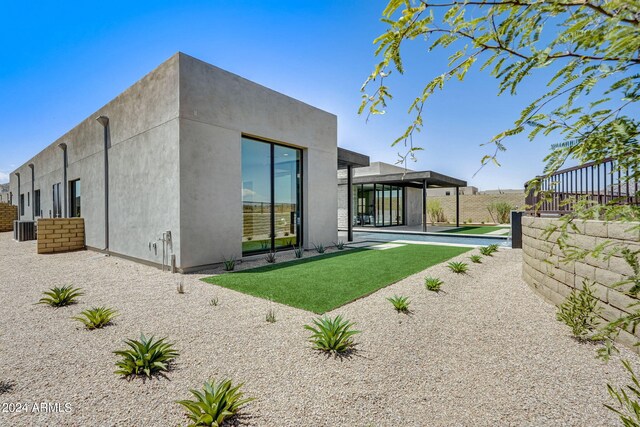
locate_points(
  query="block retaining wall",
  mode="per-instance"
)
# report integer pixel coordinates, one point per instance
(8, 214)
(554, 280)
(60, 235)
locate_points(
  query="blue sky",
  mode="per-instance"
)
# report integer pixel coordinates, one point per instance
(61, 61)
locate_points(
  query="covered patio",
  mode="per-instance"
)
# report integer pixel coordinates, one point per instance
(421, 180)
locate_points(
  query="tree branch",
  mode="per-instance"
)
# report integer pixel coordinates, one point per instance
(501, 46)
(583, 3)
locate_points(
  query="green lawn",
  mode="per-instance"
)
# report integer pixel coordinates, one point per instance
(481, 229)
(325, 282)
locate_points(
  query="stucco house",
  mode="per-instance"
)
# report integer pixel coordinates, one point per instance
(191, 165)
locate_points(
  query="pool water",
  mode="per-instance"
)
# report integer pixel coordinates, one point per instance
(447, 239)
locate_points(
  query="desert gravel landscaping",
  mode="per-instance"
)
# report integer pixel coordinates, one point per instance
(485, 351)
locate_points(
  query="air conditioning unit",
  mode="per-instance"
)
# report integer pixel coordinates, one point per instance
(24, 230)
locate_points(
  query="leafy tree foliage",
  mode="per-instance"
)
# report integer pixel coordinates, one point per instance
(591, 47)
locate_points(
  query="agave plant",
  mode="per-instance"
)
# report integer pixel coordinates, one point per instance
(493, 247)
(319, 248)
(485, 250)
(96, 317)
(401, 304)
(458, 267)
(332, 335)
(216, 403)
(299, 252)
(229, 264)
(271, 316)
(271, 257)
(60, 297)
(477, 259)
(339, 245)
(433, 283)
(146, 356)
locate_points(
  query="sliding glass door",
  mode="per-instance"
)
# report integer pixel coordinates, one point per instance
(379, 205)
(271, 196)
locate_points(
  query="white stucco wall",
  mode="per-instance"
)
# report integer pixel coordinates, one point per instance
(143, 168)
(216, 109)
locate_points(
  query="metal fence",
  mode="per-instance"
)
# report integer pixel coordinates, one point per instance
(598, 182)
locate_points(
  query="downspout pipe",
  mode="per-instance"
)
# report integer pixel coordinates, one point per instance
(33, 186)
(104, 121)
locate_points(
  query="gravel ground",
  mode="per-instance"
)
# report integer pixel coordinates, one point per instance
(485, 352)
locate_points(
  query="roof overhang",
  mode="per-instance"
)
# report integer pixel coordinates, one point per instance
(409, 179)
(351, 158)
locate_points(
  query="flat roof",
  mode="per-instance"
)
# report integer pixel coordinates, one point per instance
(409, 179)
(351, 158)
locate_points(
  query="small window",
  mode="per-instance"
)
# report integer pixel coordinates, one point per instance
(21, 204)
(57, 205)
(36, 202)
(74, 201)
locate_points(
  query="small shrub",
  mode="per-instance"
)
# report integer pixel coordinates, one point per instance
(477, 259)
(493, 247)
(271, 257)
(628, 400)
(332, 335)
(229, 264)
(458, 267)
(271, 316)
(580, 311)
(340, 245)
(433, 284)
(249, 238)
(96, 317)
(298, 252)
(216, 403)
(436, 213)
(501, 210)
(286, 234)
(213, 302)
(401, 304)
(145, 357)
(470, 220)
(60, 297)
(319, 248)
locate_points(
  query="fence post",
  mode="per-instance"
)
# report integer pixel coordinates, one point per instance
(516, 229)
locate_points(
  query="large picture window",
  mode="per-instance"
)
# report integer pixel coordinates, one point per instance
(271, 196)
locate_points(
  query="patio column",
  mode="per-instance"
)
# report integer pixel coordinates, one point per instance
(457, 206)
(349, 204)
(424, 205)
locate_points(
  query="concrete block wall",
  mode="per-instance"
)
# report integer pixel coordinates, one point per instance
(474, 206)
(8, 214)
(60, 235)
(554, 280)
